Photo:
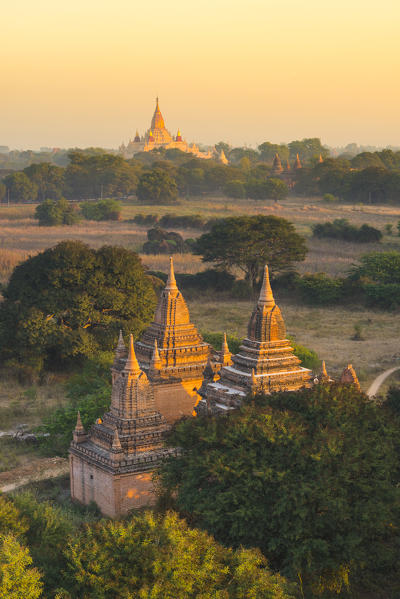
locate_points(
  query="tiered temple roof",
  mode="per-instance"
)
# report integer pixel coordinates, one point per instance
(159, 133)
(171, 347)
(129, 438)
(265, 362)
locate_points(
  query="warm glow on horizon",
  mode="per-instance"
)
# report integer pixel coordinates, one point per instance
(87, 73)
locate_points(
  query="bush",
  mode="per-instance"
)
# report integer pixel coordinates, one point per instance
(165, 242)
(320, 289)
(107, 209)
(215, 339)
(382, 295)
(329, 197)
(309, 358)
(145, 219)
(342, 229)
(185, 221)
(379, 267)
(56, 212)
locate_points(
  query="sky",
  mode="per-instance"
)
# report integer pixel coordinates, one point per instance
(86, 73)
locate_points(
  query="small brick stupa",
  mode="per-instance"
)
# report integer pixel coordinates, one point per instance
(173, 354)
(265, 362)
(112, 465)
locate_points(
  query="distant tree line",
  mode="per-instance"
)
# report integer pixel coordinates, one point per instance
(161, 176)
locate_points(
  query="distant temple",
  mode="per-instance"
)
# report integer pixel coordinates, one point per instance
(157, 136)
(169, 373)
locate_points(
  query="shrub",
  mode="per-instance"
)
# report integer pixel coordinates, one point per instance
(56, 212)
(107, 209)
(185, 221)
(329, 197)
(145, 219)
(383, 295)
(165, 242)
(320, 289)
(342, 229)
(379, 267)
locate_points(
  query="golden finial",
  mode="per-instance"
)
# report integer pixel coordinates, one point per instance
(171, 282)
(131, 365)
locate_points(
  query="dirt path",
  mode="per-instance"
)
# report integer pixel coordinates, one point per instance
(374, 388)
(37, 469)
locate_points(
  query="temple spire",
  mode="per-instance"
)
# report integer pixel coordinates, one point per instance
(225, 354)
(116, 444)
(297, 163)
(156, 363)
(79, 426)
(171, 282)
(132, 365)
(266, 296)
(349, 377)
(277, 164)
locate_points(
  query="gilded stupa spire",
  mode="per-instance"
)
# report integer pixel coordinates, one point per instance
(266, 296)
(132, 365)
(171, 282)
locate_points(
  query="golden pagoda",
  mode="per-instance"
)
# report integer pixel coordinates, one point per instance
(158, 136)
(173, 354)
(265, 362)
(112, 464)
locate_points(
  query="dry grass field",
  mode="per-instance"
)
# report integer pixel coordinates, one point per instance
(327, 330)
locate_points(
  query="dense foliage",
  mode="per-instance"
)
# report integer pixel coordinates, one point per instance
(157, 187)
(56, 212)
(160, 241)
(250, 242)
(309, 477)
(69, 302)
(143, 556)
(342, 229)
(107, 209)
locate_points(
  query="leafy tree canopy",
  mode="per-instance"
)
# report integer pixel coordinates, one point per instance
(69, 302)
(250, 242)
(162, 558)
(157, 187)
(379, 267)
(17, 578)
(20, 187)
(309, 477)
(56, 212)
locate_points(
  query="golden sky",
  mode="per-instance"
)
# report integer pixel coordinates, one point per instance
(80, 73)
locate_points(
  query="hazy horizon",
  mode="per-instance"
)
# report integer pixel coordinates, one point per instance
(86, 74)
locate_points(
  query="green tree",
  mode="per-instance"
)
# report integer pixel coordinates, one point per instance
(10, 518)
(48, 178)
(17, 578)
(379, 267)
(107, 209)
(250, 242)
(306, 476)
(162, 558)
(307, 148)
(69, 302)
(157, 187)
(20, 187)
(56, 212)
(95, 174)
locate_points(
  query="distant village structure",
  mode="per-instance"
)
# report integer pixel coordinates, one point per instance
(169, 373)
(157, 136)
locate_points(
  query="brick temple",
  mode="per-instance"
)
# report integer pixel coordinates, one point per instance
(113, 463)
(265, 362)
(169, 373)
(173, 354)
